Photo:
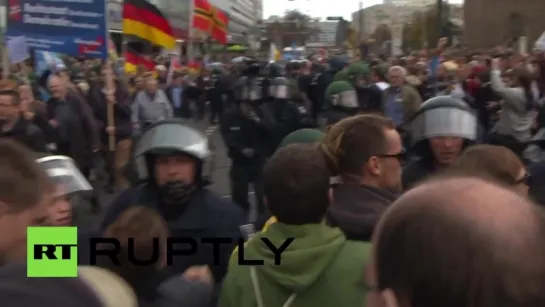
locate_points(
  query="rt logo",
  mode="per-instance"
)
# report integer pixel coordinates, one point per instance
(52, 252)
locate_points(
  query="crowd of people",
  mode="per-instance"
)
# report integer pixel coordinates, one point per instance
(403, 182)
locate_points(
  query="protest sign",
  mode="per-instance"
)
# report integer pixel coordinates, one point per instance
(17, 50)
(74, 27)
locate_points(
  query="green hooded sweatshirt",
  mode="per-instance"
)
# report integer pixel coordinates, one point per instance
(319, 268)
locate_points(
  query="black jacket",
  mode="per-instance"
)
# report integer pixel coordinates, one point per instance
(357, 208)
(27, 133)
(206, 215)
(240, 132)
(416, 171)
(177, 291)
(122, 112)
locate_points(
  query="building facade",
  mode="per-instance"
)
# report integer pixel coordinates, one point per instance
(327, 31)
(243, 18)
(368, 19)
(503, 22)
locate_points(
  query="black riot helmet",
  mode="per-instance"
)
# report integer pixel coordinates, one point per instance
(276, 70)
(252, 68)
(280, 88)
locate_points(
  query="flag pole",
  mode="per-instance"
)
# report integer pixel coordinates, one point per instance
(110, 86)
(189, 53)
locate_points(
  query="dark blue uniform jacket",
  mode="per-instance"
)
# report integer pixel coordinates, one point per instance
(207, 215)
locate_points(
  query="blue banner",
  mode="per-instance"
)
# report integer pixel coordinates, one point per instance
(74, 27)
(44, 61)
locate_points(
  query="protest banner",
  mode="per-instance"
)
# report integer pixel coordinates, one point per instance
(74, 27)
(17, 50)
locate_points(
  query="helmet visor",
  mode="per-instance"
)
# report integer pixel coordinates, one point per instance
(348, 99)
(65, 174)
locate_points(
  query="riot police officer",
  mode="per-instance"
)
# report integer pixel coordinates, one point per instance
(341, 101)
(440, 130)
(245, 134)
(68, 182)
(214, 94)
(369, 96)
(273, 70)
(317, 88)
(285, 112)
(172, 162)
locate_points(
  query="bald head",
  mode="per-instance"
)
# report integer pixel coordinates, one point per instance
(467, 200)
(483, 241)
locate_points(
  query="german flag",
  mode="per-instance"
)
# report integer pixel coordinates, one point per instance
(219, 30)
(202, 15)
(144, 20)
(133, 59)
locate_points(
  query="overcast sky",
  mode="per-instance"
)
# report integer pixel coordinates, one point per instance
(319, 8)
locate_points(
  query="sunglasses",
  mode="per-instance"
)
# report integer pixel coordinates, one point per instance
(400, 156)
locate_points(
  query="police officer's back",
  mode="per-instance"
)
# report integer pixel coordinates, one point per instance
(245, 132)
(289, 114)
(214, 93)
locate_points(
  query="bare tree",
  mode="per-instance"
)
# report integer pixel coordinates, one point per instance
(294, 27)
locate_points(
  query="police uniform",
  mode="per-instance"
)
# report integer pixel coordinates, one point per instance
(201, 214)
(439, 116)
(245, 133)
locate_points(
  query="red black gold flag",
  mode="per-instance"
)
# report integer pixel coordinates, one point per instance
(202, 15)
(220, 28)
(144, 20)
(133, 59)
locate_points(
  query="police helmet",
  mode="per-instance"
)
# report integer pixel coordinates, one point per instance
(173, 137)
(358, 73)
(65, 174)
(341, 76)
(280, 88)
(341, 94)
(443, 116)
(276, 70)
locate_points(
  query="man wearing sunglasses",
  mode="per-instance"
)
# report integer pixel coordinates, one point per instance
(366, 153)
